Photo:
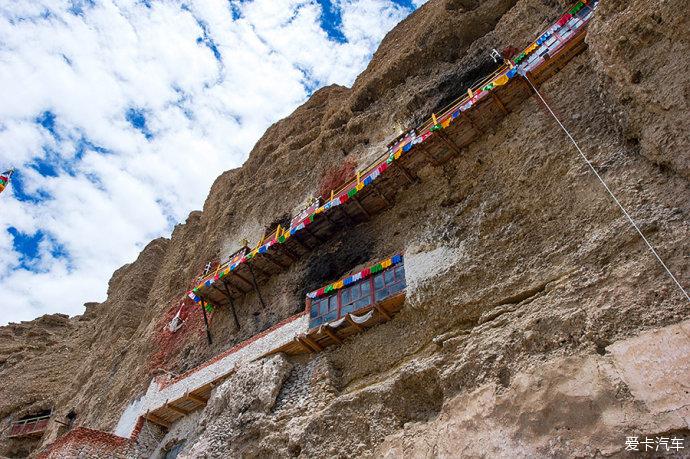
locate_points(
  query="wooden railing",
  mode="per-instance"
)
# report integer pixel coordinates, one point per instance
(30, 426)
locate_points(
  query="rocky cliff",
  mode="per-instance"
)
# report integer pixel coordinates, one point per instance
(536, 321)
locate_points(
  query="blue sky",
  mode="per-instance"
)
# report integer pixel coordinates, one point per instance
(118, 116)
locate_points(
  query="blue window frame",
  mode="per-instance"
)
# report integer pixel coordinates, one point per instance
(356, 296)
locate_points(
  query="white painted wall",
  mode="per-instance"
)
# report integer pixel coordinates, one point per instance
(156, 397)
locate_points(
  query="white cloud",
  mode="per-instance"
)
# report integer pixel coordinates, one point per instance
(88, 63)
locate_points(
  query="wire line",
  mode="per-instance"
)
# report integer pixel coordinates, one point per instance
(625, 212)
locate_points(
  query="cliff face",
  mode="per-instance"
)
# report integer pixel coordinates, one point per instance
(531, 302)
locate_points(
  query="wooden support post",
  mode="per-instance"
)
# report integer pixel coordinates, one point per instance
(197, 398)
(230, 289)
(405, 172)
(312, 343)
(451, 145)
(208, 330)
(382, 311)
(331, 334)
(177, 409)
(303, 345)
(469, 120)
(256, 287)
(234, 312)
(498, 101)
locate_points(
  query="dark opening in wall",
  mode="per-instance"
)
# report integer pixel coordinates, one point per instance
(345, 252)
(455, 85)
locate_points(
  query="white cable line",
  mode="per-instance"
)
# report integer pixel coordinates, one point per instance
(609, 190)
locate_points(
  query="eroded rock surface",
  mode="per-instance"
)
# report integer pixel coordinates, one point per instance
(534, 311)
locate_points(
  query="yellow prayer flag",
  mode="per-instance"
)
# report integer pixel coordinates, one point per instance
(500, 81)
(386, 263)
(397, 154)
(338, 285)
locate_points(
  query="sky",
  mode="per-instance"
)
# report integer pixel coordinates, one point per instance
(118, 115)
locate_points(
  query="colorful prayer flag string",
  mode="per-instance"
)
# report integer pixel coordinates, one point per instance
(363, 274)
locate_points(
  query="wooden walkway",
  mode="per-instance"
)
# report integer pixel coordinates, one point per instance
(439, 147)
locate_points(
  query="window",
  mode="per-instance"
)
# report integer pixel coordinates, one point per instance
(389, 282)
(357, 296)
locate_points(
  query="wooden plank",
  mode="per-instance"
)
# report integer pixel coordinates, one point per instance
(197, 398)
(404, 171)
(498, 102)
(312, 343)
(333, 335)
(304, 345)
(380, 193)
(347, 216)
(176, 409)
(382, 311)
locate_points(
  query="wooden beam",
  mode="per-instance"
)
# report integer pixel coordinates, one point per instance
(258, 270)
(303, 345)
(331, 222)
(382, 311)
(349, 320)
(156, 420)
(498, 101)
(243, 279)
(454, 148)
(312, 343)
(469, 120)
(301, 243)
(197, 398)
(331, 334)
(176, 409)
(404, 171)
